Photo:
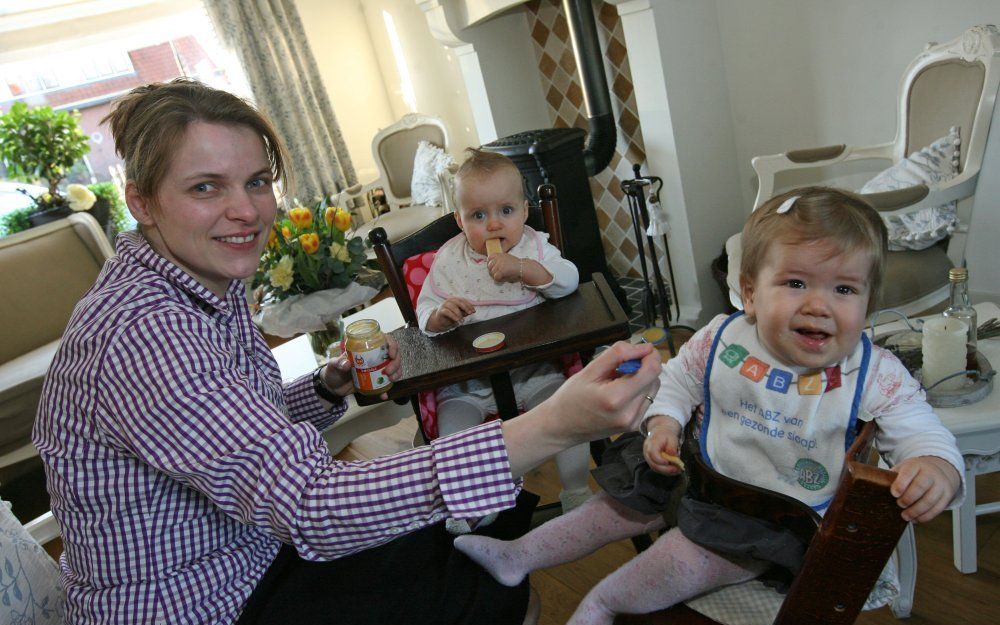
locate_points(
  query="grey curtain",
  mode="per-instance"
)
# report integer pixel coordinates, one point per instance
(268, 38)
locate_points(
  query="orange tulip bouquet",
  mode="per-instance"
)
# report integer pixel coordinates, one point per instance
(311, 272)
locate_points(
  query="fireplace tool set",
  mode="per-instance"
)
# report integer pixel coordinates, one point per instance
(649, 221)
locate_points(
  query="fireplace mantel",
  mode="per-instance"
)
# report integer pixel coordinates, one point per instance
(464, 13)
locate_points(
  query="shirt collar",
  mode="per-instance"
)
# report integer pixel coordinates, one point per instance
(132, 245)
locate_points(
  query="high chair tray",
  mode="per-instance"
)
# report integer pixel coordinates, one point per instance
(581, 321)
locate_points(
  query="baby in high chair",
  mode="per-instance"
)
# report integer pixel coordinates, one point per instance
(468, 282)
(780, 387)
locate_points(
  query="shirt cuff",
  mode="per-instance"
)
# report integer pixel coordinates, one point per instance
(474, 472)
(305, 405)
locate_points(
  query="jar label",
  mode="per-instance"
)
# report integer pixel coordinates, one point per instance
(368, 369)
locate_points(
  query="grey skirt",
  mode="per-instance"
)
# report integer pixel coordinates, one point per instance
(625, 476)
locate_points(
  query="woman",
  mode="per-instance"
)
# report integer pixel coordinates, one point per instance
(190, 486)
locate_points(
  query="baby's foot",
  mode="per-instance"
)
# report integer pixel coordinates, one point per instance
(496, 556)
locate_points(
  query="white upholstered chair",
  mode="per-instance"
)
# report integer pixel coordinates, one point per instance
(949, 85)
(43, 273)
(394, 149)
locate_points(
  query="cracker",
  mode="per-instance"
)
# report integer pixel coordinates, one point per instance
(672, 460)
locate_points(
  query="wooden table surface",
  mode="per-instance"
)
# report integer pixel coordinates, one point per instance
(581, 321)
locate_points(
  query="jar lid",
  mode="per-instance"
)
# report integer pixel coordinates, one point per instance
(489, 342)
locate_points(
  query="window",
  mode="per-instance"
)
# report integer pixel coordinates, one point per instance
(78, 74)
(62, 71)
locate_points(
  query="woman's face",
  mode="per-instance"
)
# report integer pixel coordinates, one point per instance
(214, 207)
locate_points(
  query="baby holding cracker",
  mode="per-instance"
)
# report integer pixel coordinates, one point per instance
(497, 265)
(779, 389)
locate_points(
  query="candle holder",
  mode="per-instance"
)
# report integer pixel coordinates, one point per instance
(906, 344)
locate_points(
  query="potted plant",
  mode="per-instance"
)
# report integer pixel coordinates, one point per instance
(42, 144)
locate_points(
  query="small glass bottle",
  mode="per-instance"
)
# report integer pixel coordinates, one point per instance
(959, 308)
(368, 350)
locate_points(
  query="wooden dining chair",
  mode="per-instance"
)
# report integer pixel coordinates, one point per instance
(393, 254)
(847, 550)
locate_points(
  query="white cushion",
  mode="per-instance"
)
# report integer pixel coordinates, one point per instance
(920, 229)
(29, 578)
(753, 603)
(429, 161)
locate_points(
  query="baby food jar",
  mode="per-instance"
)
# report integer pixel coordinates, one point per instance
(368, 350)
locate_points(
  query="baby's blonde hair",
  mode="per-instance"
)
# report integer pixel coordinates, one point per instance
(483, 163)
(835, 216)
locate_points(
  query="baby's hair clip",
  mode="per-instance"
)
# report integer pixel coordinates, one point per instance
(786, 205)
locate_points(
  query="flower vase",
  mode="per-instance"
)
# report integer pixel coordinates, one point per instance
(326, 343)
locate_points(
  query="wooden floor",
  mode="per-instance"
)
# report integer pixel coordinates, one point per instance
(943, 597)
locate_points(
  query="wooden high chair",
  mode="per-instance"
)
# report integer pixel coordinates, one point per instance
(393, 255)
(847, 549)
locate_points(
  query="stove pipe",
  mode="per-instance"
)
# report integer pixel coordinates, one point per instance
(600, 145)
(559, 156)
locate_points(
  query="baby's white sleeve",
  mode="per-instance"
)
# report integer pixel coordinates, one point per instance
(907, 425)
(427, 303)
(682, 378)
(565, 276)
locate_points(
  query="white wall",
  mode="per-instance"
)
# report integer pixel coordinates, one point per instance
(808, 73)
(349, 40)
(984, 231)
(437, 80)
(508, 65)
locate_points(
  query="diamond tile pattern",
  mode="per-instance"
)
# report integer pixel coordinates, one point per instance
(564, 96)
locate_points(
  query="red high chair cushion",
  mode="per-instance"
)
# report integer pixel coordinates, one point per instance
(415, 270)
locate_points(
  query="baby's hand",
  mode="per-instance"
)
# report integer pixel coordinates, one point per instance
(504, 268)
(450, 314)
(664, 438)
(924, 486)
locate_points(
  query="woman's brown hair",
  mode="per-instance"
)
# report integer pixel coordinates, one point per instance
(149, 121)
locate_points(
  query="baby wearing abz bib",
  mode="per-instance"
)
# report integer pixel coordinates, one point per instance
(779, 387)
(466, 283)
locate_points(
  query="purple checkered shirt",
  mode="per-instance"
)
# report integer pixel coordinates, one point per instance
(177, 463)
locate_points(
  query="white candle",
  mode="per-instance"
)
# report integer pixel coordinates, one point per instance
(943, 346)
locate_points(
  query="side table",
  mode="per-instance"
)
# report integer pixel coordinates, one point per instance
(976, 428)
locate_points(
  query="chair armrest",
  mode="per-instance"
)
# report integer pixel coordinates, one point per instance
(364, 213)
(767, 167)
(43, 529)
(921, 196)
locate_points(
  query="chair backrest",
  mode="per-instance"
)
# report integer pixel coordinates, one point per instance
(951, 84)
(44, 271)
(392, 254)
(395, 146)
(847, 549)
